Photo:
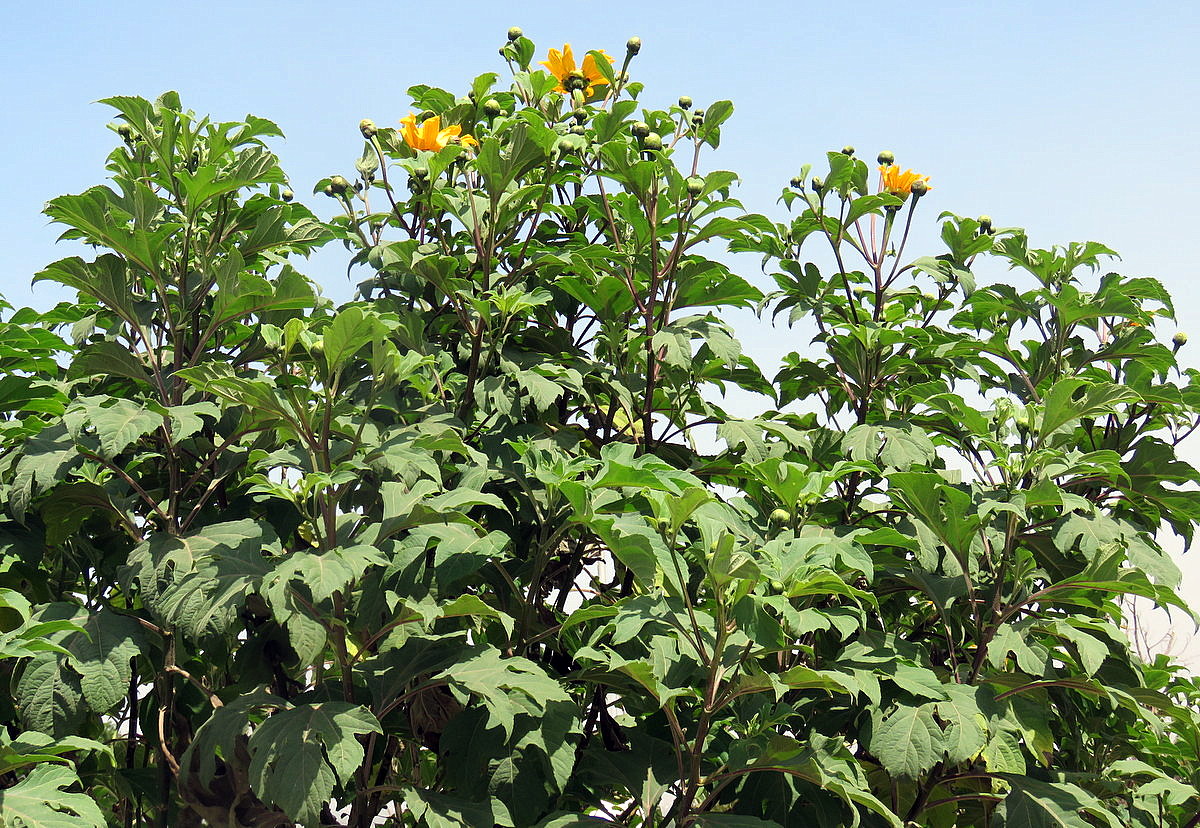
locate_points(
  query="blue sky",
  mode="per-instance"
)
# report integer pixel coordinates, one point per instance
(1075, 121)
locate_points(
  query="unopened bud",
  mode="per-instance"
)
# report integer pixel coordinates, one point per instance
(640, 129)
(339, 184)
(580, 114)
(1179, 340)
(886, 159)
(367, 127)
(328, 190)
(698, 117)
(425, 115)
(781, 516)
(287, 195)
(985, 224)
(919, 188)
(579, 129)
(633, 45)
(491, 107)
(685, 102)
(514, 33)
(125, 131)
(847, 150)
(797, 182)
(653, 141)
(695, 186)
(817, 183)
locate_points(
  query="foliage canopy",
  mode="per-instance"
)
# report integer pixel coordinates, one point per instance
(482, 547)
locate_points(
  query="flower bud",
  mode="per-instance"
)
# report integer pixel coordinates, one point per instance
(425, 115)
(514, 33)
(685, 102)
(287, 195)
(817, 183)
(847, 150)
(640, 129)
(338, 184)
(1179, 340)
(698, 117)
(653, 141)
(328, 190)
(367, 127)
(695, 186)
(578, 129)
(491, 107)
(125, 131)
(633, 45)
(886, 159)
(919, 188)
(580, 115)
(781, 516)
(797, 182)
(564, 146)
(985, 224)
(664, 525)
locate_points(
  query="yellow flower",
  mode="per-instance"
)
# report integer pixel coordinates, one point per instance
(899, 183)
(429, 135)
(562, 66)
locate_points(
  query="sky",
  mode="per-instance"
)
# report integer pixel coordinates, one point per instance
(1076, 121)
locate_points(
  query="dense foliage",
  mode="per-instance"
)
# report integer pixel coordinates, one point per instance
(483, 548)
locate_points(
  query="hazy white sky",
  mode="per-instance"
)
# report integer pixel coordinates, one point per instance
(1075, 121)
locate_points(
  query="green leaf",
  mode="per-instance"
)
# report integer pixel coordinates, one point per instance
(349, 331)
(101, 653)
(297, 755)
(41, 800)
(1036, 804)
(908, 741)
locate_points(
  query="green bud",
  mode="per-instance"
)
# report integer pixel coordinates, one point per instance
(125, 131)
(695, 186)
(287, 195)
(1021, 418)
(653, 141)
(664, 525)
(685, 102)
(640, 129)
(797, 182)
(491, 107)
(847, 150)
(425, 115)
(698, 117)
(564, 146)
(579, 129)
(919, 188)
(776, 586)
(817, 183)
(985, 224)
(886, 158)
(328, 190)
(367, 127)
(420, 173)
(339, 184)
(514, 33)
(781, 516)
(1179, 340)
(581, 115)
(633, 45)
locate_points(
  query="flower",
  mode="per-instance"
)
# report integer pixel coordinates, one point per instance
(562, 66)
(429, 135)
(899, 183)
